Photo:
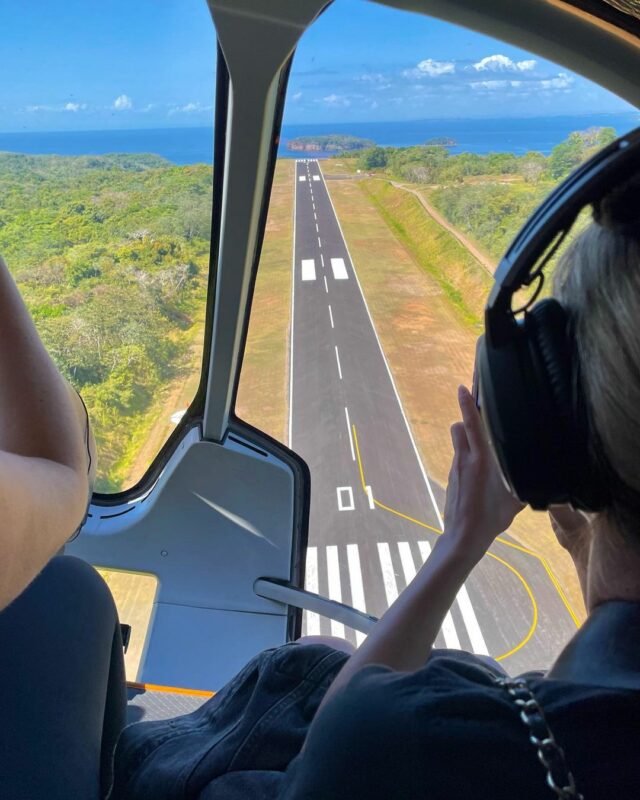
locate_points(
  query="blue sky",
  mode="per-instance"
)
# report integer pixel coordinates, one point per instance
(73, 65)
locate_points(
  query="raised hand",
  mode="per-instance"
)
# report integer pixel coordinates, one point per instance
(478, 505)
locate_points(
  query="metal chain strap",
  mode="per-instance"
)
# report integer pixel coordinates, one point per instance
(559, 778)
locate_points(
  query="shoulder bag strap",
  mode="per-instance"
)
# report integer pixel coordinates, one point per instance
(559, 778)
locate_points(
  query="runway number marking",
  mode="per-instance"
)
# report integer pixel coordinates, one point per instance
(353, 452)
(349, 505)
(335, 590)
(338, 360)
(372, 505)
(311, 584)
(357, 589)
(308, 269)
(339, 269)
(331, 316)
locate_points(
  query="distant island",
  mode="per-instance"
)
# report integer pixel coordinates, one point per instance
(441, 141)
(330, 142)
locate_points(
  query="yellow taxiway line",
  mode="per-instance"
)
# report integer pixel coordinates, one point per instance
(510, 567)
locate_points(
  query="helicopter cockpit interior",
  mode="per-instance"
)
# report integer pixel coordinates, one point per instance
(224, 512)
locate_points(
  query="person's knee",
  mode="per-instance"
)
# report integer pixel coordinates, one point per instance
(331, 641)
(66, 592)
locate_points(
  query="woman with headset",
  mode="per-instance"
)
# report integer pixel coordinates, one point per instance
(560, 399)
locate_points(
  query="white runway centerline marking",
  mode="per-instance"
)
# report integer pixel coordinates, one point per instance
(349, 505)
(353, 452)
(338, 360)
(339, 269)
(388, 575)
(331, 316)
(326, 287)
(311, 585)
(308, 269)
(316, 177)
(317, 228)
(335, 590)
(448, 628)
(302, 178)
(372, 505)
(357, 589)
(315, 215)
(322, 259)
(319, 242)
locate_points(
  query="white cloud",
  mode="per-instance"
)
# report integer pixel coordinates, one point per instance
(337, 101)
(34, 109)
(189, 108)
(123, 103)
(561, 81)
(430, 68)
(499, 63)
(296, 97)
(74, 107)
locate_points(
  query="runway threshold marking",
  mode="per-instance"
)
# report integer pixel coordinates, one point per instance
(311, 584)
(335, 589)
(438, 531)
(448, 627)
(357, 588)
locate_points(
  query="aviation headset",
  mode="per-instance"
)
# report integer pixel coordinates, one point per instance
(528, 374)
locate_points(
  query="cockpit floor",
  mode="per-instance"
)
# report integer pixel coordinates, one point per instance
(145, 704)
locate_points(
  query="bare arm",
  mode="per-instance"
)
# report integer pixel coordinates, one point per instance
(478, 508)
(44, 482)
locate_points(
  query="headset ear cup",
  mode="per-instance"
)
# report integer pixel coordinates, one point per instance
(566, 432)
(548, 325)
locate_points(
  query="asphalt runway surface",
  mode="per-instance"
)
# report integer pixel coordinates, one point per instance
(374, 510)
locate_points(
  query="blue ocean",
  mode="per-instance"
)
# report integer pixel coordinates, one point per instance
(195, 145)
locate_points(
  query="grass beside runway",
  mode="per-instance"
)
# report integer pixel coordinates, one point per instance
(428, 341)
(263, 393)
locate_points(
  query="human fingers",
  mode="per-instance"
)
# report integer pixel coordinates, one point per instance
(472, 420)
(459, 439)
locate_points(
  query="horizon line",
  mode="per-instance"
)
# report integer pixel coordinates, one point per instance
(342, 122)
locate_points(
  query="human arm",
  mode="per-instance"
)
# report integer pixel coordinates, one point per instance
(44, 477)
(478, 507)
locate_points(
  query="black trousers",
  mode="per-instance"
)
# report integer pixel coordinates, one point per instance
(62, 689)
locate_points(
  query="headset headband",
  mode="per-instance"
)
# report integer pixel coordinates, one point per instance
(550, 223)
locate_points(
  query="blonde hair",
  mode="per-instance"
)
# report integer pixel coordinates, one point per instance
(598, 282)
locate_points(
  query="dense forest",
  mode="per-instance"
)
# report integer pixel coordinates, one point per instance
(489, 196)
(111, 256)
(325, 143)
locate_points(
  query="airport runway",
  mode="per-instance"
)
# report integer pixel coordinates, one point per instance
(373, 507)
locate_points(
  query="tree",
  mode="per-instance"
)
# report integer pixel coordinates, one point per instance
(375, 158)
